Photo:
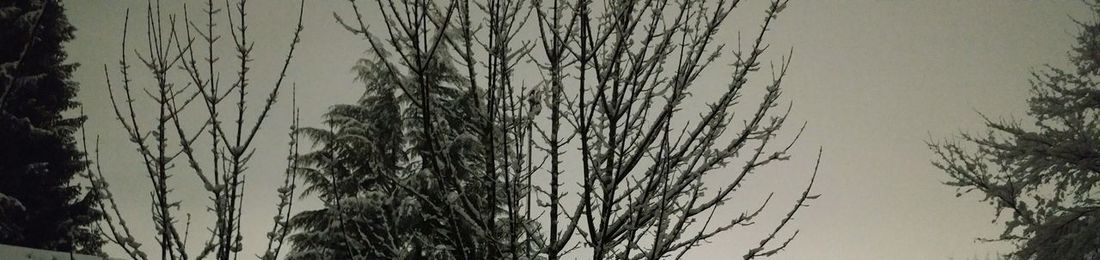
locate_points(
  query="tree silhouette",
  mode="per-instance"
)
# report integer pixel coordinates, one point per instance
(40, 206)
(1046, 175)
(615, 77)
(365, 173)
(182, 75)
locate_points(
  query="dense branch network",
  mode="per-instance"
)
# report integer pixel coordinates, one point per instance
(615, 77)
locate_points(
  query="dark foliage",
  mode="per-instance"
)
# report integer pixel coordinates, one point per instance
(38, 153)
(1045, 176)
(365, 171)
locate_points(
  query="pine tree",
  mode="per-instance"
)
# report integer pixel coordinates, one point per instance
(1046, 176)
(368, 168)
(39, 157)
(363, 143)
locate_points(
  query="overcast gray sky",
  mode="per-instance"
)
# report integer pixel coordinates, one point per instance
(874, 79)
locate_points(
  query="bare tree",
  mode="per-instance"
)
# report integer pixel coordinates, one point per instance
(172, 47)
(615, 79)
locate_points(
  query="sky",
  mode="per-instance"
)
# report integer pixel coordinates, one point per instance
(874, 80)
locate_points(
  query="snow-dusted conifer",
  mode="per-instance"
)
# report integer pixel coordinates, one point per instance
(1046, 175)
(38, 154)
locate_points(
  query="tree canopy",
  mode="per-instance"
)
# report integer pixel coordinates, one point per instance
(619, 162)
(1046, 175)
(40, 206)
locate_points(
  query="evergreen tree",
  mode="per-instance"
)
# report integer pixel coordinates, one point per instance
(367, 170)
(40, 207)
(364, 141)
(1045, 176)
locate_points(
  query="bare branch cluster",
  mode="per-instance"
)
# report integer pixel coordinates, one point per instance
(615, 78)
(172, 51)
